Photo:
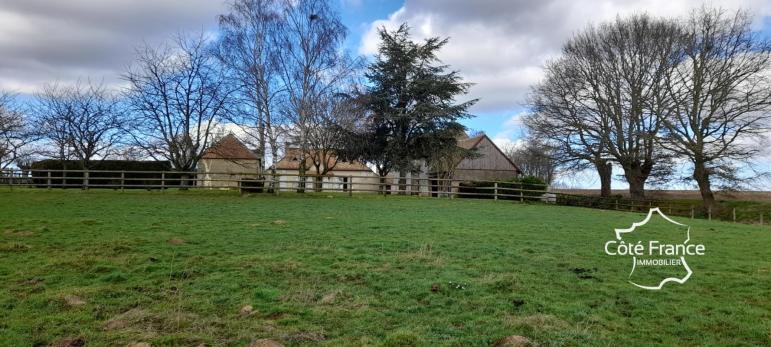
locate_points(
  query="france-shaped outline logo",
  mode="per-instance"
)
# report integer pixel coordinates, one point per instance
(634, 226)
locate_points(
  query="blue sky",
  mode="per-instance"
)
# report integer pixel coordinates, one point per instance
(500, 46)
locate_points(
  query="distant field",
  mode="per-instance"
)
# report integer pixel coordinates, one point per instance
(679, 194)
(748, 206)
(179, 268)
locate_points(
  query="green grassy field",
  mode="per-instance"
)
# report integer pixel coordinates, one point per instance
(176, 269)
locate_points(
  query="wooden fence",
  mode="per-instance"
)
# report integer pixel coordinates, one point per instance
(266, 183)
(747, 214)
(251, 182)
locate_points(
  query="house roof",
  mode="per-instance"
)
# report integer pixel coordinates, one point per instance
(472, 142)
(291, 161)
(230, 147)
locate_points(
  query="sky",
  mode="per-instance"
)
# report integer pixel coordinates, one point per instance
(500, 46)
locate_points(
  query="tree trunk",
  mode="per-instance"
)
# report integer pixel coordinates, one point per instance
(301, 177)
(261, 133)
(319, 183)
(605, 171)
(701, 175)
(184, 181)
(402, 181)
(382, 184)
(636, 181)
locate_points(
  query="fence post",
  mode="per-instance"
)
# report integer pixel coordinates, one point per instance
(734, 214)
(49, 180)
(350, 185)
(521, 194)
(761, 218)
(122, 180)
(616, 204)
(10, 179)
(85, 180)
(163, 181)
(692, 212)
(276, 189)
(709, 213)
(495, 191)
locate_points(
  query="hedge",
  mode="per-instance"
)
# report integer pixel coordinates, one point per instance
(485, 190)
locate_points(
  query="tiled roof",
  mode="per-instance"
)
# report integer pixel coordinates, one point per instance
(470, 142)
(291, 161)
(230, 148)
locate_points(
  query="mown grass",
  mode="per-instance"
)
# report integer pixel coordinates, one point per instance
(176, 268)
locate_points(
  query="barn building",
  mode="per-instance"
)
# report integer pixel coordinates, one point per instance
(227, 162)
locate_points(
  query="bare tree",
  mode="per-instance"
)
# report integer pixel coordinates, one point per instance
(309, 42)
(720, 96)
(84, 120)
(334, 117)
(535, 158)
(442, 160)
(619, 69)
(248, 51)
(176, 93)
(15, 132)
(564, 121)
(51, 111)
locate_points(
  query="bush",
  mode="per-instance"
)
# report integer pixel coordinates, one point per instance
(252, 185)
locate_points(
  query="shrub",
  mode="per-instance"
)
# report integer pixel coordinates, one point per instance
(252, 185)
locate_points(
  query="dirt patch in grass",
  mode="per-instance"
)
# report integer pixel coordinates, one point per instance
(16, 232)
(69, 342)
(583, 273)
(330, 298)
(514, 341)
(74, 300)
(278, 222)
(265, 343)
(306, 337)
(176, 241)
(127, 319)
(246, 311)
(13, 247)
(302, 296)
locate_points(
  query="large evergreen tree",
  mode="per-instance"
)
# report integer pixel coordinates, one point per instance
(411, 102)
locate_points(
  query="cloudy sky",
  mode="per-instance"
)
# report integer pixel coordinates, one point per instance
(498, 45)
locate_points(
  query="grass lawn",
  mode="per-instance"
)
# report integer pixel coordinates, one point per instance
(176, 269)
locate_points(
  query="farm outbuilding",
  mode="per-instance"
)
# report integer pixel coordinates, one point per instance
(227, 162)
(489, 163)
(340, 178)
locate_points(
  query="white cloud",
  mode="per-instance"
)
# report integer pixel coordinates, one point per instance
(46, 41)
(510, 132)
(501, 45)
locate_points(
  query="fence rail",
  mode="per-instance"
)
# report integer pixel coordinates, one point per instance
(266, 182)
(253, 182)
